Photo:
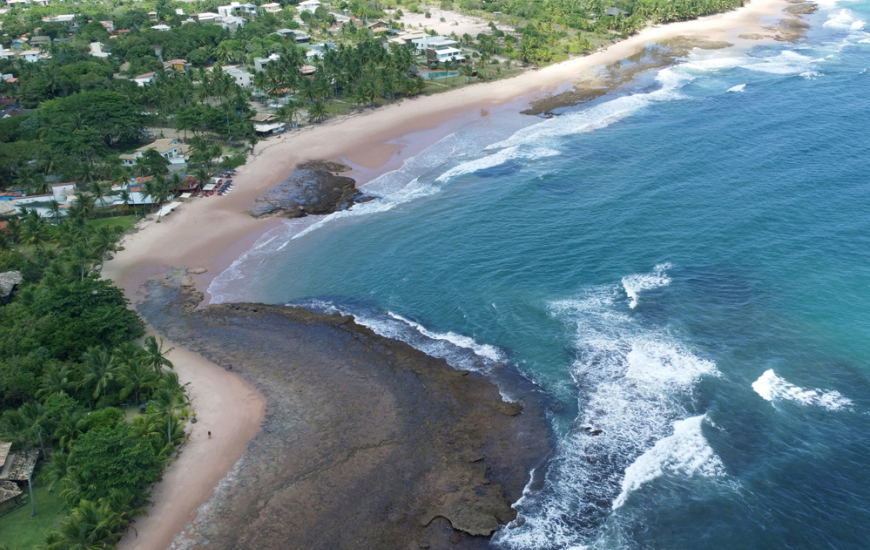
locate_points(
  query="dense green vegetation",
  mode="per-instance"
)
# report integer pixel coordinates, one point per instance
(67, 363)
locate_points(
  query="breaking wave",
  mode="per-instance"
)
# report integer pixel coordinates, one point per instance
(634, 284)
(635, 383)
(738, 88)
(774, 388)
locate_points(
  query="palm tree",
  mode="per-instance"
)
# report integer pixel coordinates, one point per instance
(155, 356)
(166, 401)
(104, 242)
(100, 369)
(34, 232)
(135, 377)
(89, 526)
(80, 257)
(317, 111)
(55, 380)
(54, 208)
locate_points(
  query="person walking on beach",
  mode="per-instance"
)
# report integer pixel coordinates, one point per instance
(209, 434)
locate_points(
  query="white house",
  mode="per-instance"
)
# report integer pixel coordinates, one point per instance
(160, 27)
(63, 191)
(97, 50)
(170, 149)
(426, 42)
(31, 56)
(231, 22)
(242, 77)
(317, 50)
(145, 79)
(208, 17)
(237, 9)
(271, 7)
(309, 6)
(444, 53)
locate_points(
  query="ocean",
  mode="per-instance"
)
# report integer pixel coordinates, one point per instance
(681, 266)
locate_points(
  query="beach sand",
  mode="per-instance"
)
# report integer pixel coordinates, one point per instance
(212, 232)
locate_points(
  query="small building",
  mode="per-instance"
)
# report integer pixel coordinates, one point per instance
(317, 50)
(177, 64)
(231, 22)
(108, 25)
(307, 70)
(63, 191)
(271, 7)
(309, 6)
(97, 50)
(170, 149)
(261, 62)
(152, 16)
(145, 79)
(236, 8)
(208, 17)
(299, 36)
(9, 493)
(378, 26)
(9, 281)
(241, 77)
(269, 128)
(39, 41)
(161, 27)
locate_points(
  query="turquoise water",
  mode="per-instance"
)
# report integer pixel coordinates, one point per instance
(682, 265)
(440, 74)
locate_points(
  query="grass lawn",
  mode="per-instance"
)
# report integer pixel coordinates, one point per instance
(19, 530)
(126, 222)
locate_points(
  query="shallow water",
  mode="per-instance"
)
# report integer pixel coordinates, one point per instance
(681, 265)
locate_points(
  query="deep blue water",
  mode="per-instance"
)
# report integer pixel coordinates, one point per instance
(682, 264)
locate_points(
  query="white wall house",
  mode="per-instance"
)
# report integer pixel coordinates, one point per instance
(169, 149)
(236, 8)
(425, 42)
(309, 6)
(145, 79)
(444, 53)
(242, 77)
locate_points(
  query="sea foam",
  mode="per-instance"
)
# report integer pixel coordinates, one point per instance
(634, 383)
(634, 284)
(738, 88)
(774, 388)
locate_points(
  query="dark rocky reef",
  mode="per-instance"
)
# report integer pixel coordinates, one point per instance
(367, 442)
(613, 75)
(313, 187)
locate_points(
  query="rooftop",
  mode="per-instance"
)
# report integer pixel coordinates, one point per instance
(19, 466)
(8, 491)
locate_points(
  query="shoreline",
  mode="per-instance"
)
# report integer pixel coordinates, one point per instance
(212, 233)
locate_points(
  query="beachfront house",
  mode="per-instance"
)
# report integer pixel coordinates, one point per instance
(443, 54)
(427, 42)
(169, 149)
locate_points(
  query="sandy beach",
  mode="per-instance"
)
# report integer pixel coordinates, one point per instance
(212, 232)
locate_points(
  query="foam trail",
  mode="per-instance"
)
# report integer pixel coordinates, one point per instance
(844, 21)
(773, 388)
(685, 453)
(635, 284)
(738, 88)
(496, 159)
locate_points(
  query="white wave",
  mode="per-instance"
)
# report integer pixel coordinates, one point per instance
(844, 20)
(738, 88)
(634, 284)
(598, 116)
(484, 350)
(413, 191)
(811, 75)
(787, 62)
(686, 453)
(773, 388)
(634, 382)
(496, 159)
